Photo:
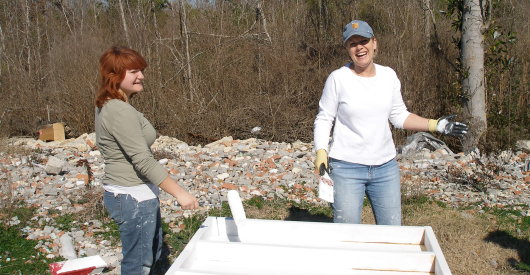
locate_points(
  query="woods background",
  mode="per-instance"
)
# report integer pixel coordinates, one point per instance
(219, 68)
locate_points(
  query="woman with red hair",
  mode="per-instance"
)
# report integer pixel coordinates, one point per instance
(132, 175)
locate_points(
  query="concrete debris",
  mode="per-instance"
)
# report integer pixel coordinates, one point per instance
(54, 166)
(67, 250)
(523, 145)
(422, 140)
(50, 179)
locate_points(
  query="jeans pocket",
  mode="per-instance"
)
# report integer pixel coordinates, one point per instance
(113, 205)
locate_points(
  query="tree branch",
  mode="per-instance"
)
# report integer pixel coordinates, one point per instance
(437, 38)
(486, 15)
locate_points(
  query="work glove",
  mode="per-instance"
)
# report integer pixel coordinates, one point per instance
(445, 126)
(321, 162)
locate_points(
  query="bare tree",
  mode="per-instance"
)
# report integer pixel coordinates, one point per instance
(66, 17)
(260, 15)
(255, 62)
(124, 23)
(475, 19)
(185, 36)
(429, 18)
(2, 46)
(27, 41)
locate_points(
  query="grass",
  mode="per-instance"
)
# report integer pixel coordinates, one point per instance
(257, 202)
(493, 241)
(24, 214)
(223, 211)
(189, 226)
(475, 242)
(18, 254)
(10, 149)
(112, 231)
(65, 222)
(511, 220)
(513, 233)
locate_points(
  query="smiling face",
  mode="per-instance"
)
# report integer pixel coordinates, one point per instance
(361, 51)
(132, 83)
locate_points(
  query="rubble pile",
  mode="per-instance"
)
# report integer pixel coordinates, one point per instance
(64, 178)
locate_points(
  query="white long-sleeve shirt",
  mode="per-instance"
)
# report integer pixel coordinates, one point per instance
(360, 108)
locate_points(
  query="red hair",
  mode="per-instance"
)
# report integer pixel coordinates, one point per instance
(113, 65)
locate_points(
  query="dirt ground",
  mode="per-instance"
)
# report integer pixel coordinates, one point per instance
(471, 242)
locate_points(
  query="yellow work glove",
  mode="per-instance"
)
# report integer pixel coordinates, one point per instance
(321, 162)
(446, 126)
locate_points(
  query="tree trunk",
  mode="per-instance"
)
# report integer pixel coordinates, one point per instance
(473, 84)
(27, 41)
(263, 21)
(124, 23)
(186, 38)
(66, 19)
(429, 19)
(2, 46)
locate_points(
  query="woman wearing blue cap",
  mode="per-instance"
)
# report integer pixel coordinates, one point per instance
(358, 101)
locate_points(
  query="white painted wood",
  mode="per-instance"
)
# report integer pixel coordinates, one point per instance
(260, 256)
(288, 247)
(82, 263)
(271, 231)
(181, 271)
(441, 266)
(291, 271)
(236, 207)
(226, 232)
(188, 252)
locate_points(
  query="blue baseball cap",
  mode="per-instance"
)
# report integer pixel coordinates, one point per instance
(357, 27)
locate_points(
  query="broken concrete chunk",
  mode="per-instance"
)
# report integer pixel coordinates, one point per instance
(523, 145)
(50, 190)
(67, 247)
(54, 166)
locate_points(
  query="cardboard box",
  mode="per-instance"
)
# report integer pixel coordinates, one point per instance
(52, 132)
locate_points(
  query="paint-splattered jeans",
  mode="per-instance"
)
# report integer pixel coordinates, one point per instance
(140, 231)
(381, 183)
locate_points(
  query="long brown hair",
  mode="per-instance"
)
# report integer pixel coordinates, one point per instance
(113, 65)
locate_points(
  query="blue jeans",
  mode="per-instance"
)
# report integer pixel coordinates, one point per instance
(381, 183)
(140, 231)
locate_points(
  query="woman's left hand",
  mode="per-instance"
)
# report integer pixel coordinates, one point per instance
(187, 201)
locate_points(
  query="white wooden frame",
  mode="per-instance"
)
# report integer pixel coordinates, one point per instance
(254, 246)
